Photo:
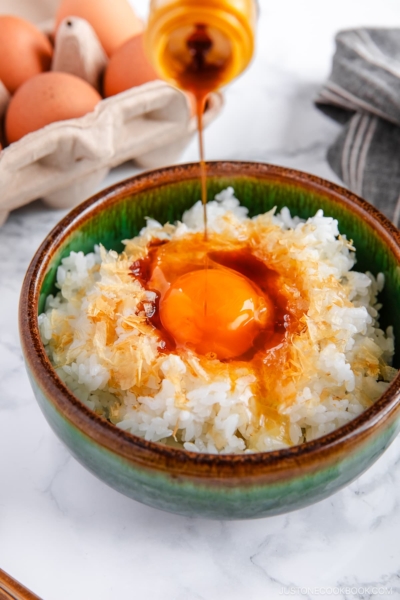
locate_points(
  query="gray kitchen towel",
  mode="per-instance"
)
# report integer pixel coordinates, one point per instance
(363, 93)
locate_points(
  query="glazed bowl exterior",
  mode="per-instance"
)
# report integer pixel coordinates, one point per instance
(214, 486)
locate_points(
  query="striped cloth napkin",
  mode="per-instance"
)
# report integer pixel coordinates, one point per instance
(363, 93)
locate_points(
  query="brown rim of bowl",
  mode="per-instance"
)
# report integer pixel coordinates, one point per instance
(154, 454)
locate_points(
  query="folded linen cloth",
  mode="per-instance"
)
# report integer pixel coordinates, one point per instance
(363, 93)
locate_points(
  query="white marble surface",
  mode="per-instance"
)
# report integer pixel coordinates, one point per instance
(68, 536)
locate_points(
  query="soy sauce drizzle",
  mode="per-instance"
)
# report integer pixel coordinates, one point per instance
(242, 261)
(142, 270)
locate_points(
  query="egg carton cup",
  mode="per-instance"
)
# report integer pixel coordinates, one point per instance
(64, 162)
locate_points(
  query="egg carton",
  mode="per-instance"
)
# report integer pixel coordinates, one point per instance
(37, 12)
(63, 162)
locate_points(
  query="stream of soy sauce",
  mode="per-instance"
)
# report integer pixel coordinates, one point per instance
(200, 77)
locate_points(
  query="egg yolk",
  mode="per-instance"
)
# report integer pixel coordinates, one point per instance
(215, 311)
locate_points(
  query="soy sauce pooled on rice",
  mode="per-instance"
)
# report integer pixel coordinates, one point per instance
(275, 343)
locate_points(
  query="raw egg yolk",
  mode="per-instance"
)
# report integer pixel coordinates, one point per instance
(215, 311)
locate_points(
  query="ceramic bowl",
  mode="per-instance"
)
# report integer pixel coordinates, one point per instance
(215, 486)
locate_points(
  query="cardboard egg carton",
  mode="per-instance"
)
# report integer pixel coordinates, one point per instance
(63, 162)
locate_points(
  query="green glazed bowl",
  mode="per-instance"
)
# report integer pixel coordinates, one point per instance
(214, 486)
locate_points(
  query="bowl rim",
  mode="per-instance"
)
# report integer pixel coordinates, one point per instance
(153, 454)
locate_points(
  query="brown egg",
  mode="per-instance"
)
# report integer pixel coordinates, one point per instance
(24, 51)
(47, 98)
(128, 67)
(114, 21)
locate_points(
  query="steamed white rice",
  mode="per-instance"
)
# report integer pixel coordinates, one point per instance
(106, 353)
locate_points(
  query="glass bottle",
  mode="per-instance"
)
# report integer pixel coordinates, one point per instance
(200, 45)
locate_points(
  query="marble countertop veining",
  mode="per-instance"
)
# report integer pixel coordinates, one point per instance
(68, 536)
